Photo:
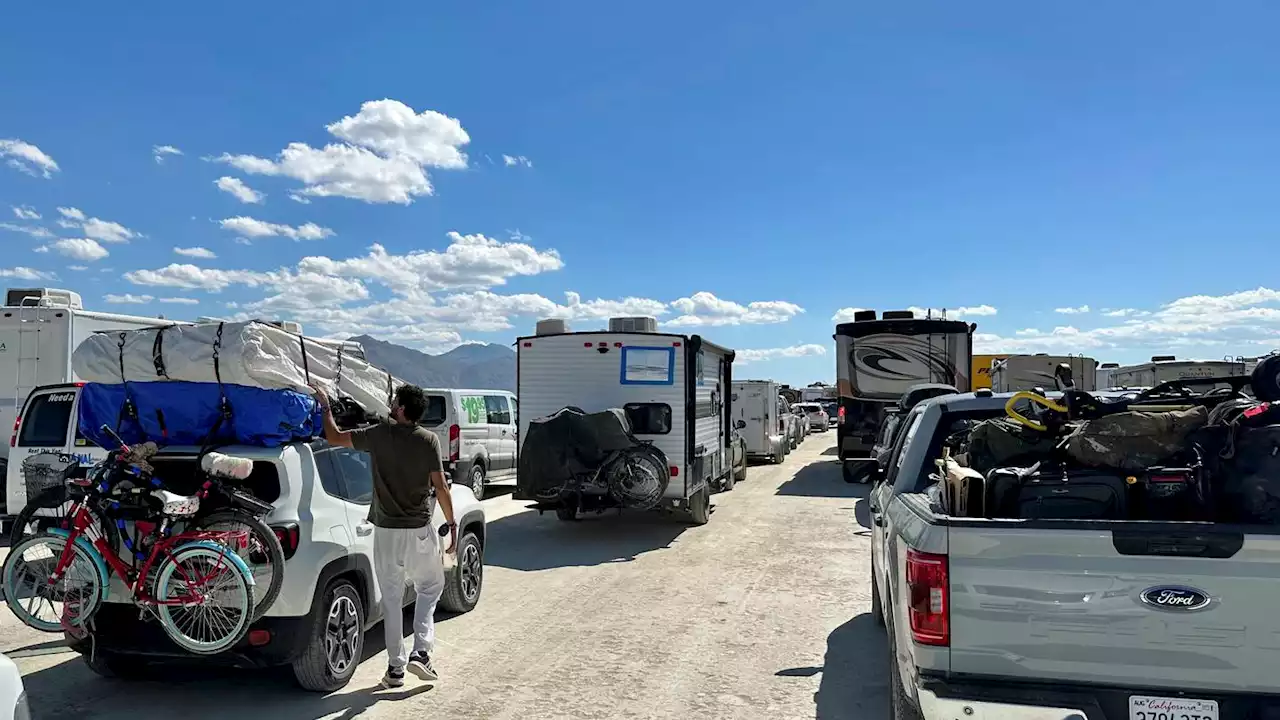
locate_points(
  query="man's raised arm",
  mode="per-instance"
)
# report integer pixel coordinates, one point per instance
(332, 433)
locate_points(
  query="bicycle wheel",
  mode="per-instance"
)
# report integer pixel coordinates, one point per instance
(65, 604)
(48, 510)
(223, 610)
(263, 553)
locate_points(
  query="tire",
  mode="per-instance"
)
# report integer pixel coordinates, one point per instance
(1265, 379)
(116, 667)
(86, 572)
(726, 484)
(239, 591)
(794, 443)
(27, 524)
(475, 480)
(315, 669)
(900, 707)
(265, 557)
(700, 506)
(877, 611)
(463, 584)
(851, 475)
(567, 513)
(740, 474)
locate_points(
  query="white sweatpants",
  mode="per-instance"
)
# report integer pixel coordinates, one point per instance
(403, 556)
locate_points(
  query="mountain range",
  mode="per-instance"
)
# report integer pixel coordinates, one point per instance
(476, 366)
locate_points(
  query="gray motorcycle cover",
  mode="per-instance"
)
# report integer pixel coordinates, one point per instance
(1000, 442)
(1134, 440)
(566, 444)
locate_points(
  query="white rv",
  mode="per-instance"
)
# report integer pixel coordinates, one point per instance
(39, 329)
(673, 388)
(1028, 372)
(1166, 368)
(758, 415)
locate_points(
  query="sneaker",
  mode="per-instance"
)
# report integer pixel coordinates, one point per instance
(420, 665)
(394, 678)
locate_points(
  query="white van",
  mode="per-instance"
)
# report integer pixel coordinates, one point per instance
(761, 418)
(478, 433)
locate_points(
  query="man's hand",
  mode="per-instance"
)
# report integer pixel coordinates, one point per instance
(322, 398)
(453, 538)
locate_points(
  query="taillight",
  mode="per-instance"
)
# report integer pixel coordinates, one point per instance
(840, 413)
(289, 538)
(675, 471)
(455, 442)
(928, 605)
(13, 439)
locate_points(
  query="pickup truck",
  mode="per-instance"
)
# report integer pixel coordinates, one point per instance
(996, 618)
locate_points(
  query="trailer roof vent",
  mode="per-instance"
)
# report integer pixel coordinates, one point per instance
(1162, 358)
(899, 315)
(43, 297)
(551, 326)
(863, 315)
(1110, 365)
(633, 325)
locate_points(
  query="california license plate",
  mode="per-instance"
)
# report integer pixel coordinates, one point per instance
(1145, 707)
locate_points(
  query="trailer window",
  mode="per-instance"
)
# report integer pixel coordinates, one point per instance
(45, 423)
(648, 366)
(649, 418)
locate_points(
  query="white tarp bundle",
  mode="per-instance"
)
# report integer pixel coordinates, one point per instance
(249, 353)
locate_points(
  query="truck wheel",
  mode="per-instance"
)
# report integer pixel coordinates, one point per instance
(700, 506)
(335, 642)
(567, 513)
(740, 474)
(462, 585)
(900, 707)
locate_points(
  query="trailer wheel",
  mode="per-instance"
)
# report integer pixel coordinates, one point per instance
(700, 506)
(567, 513)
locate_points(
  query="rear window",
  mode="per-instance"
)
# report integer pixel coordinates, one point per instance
(649, 418)
(180, 475)
(435, 413)
(46, 420)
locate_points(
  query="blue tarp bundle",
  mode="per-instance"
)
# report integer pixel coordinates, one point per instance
(183, 413)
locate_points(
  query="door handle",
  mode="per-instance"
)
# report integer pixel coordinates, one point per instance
(364, 529)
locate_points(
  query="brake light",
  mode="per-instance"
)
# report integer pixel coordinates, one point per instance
(928, 605)
(840, 414)
(289, 538)
(13, 439)
(455, 442)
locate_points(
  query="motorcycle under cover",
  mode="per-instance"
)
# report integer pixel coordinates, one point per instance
(1134, 440)
(184, 413)
(568, 443)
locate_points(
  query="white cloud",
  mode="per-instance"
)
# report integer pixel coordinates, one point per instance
(27, 158)
(159, 151)
(196, 252)
(809, 350)
(512, 160)
(239, 190)
(1072, 310)
(25, 273)
(299, 198)
(384, 159)
(32, 230)
(85, 249)
(128, 299)
(95, 228)
(956, 313)
(704, 308)
(190, 277)
(77, 268)
(845, 315)
(26, 212)
(253, 228)
(180, 301)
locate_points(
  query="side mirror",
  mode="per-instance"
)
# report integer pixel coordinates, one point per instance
(741, 424)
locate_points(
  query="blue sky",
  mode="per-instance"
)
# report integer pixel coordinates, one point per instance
(745, 171)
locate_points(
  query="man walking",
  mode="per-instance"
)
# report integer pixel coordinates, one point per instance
(406, 466)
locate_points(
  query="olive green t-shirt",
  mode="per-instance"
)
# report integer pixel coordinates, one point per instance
(404, 456)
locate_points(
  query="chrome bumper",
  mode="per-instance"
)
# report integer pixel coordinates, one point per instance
(933, 707)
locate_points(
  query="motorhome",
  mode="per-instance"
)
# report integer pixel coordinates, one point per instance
(1028, 372)
(877, 360)
(760, 419)
(674, 390)
(39, 329)
(981, 373)
(1166, 368)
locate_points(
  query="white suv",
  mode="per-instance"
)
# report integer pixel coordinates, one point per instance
(477, 429)
(329, 597)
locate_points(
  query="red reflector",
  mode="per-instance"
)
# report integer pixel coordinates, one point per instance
(528, 344)
(675, 471)
(617, 344)
(79, 384)
(1168, 478)
(928, 598)
(586, 344)
(840, 415)
(675, 344)
(258, 638)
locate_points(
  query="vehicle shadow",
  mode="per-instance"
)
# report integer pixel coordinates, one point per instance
(498, 490)
(855, 672)
(831, 451)
(822, 479)
(529, 541)
(862, 511)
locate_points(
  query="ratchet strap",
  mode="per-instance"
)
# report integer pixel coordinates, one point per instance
(1035, 399)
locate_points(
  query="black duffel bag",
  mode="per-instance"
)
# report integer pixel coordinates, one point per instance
(1052, 492)
(1248, 478)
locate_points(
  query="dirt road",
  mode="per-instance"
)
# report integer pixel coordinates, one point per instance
(761, 613)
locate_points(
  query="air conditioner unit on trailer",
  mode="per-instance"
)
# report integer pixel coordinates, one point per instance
(551, 326)
(633, 324)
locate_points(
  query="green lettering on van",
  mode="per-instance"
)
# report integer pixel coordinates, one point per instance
(476, 412)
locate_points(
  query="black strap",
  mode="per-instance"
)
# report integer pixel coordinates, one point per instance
(157, 354)
(217, 347)
(391, 392)
(224, 405)
(337, 380)
(306, 369)
(128, 410)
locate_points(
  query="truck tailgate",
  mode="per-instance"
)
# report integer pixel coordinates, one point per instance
(1067, 604)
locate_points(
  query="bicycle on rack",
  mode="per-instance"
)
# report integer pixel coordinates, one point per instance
(193, 581)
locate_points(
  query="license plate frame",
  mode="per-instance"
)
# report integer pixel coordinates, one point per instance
(1156, 707)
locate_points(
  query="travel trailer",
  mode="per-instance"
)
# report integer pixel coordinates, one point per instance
(1028, 372)
(1166, 368)
(760, 419)
(674, 391)
(981, 374)
(878, 360)
(39, 329)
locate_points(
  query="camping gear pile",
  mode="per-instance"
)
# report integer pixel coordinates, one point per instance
(590, 460)
(221, 383)
(1167, 453)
